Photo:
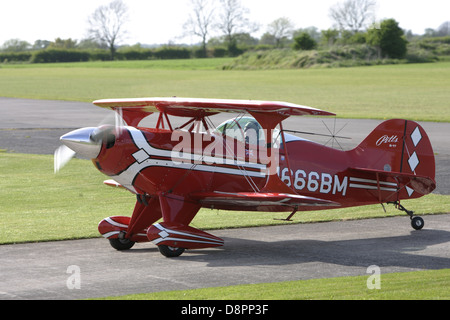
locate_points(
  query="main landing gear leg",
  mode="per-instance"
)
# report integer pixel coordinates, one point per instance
(416, 222)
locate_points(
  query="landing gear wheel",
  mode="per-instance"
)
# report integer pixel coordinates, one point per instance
(121, 244)
(417, 223)
(170, 252)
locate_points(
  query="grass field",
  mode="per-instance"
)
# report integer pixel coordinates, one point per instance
(422, 285)
(412, 91)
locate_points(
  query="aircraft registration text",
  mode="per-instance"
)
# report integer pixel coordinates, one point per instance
(314, 181)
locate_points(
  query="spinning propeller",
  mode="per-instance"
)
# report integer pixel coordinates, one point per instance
(86, 142)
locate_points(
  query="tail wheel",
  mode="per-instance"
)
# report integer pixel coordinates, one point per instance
(417, 223)
(170, 252)
(121, 244)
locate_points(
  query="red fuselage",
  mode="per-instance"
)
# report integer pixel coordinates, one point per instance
(150, 161)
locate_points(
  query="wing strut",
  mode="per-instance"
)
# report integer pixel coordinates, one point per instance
(290, 216)
(160, 123)
(269, 122)
(286, 152)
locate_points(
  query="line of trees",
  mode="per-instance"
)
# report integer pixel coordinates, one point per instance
(223, 29)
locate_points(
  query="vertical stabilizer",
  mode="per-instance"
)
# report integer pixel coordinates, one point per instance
(397, 146)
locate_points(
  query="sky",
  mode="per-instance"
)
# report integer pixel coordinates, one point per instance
(161, 21)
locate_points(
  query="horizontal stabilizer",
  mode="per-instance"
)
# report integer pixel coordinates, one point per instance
(257, 199)
(421, 184)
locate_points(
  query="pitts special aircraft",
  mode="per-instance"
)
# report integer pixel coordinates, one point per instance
(249, 163)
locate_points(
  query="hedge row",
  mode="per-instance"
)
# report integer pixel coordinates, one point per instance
(15, 57)
(73, 55)
(55, 55)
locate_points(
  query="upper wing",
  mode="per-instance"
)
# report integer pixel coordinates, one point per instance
(188, 107)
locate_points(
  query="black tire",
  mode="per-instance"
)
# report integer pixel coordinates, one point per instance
(170, 252)
(417, 223)
(121, 244)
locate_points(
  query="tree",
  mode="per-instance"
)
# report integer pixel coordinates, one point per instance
(304, 42)
(233, 22)
(313, 32)
(200, 21)
(91, 44)
(430, 32)
(389, 39)
(268, 39)
(63, 44)
(15, 45)
(41, 44)
(107, 24)
(281, 29)
(330, 36)
(444, 29)
(353, 15)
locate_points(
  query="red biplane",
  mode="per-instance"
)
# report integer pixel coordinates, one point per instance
(248, 163)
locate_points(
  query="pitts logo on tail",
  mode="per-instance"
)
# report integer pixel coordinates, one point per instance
(391, 140)
(172, 182)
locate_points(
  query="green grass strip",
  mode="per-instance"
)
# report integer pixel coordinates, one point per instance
(410, 91)
(418, 285)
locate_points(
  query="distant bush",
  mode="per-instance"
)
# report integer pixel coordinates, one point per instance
(199, 53)
(14, 57)
(60, 55)
(389, 39)
(333, 57)
(100, 55)
(430, 48)
(135, 54)
(72, 55)
(437, 40)
(220, 52)
(304, 42)
(52, 55)
(172, 53)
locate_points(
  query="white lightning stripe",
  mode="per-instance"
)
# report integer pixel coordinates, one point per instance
(127, 177)
(113, 233)
(393, 184)
(363, 186)
(142, 143)
(110, 234)
(160, 227)
(159, 240)
(114, 223)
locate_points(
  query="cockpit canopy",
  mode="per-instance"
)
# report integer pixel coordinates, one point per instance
(244, 129)
(248, 130)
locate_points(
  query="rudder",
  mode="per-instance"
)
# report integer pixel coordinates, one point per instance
(397, 146)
